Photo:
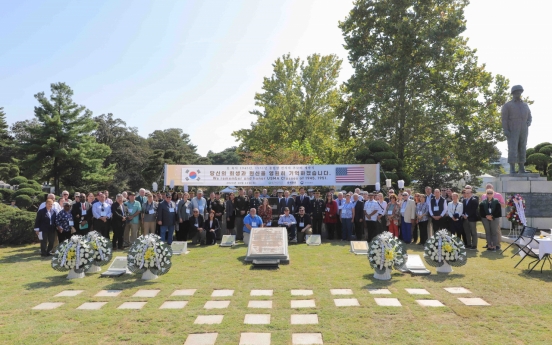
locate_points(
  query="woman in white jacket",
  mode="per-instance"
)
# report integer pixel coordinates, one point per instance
(455, 210)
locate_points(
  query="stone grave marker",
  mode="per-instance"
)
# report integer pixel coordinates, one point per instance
(228, 241)
(117, 268)
(180, 247)
(268, 245)
(359, 247)
(314, 240)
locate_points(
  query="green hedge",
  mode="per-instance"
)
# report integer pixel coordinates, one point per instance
(18, 180)
(6, 194)
(25, 191)
(23, 201)
(16, 226)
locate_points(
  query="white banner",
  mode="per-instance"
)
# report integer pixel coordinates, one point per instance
(272, 175)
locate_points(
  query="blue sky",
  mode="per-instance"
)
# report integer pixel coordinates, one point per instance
(196, 65)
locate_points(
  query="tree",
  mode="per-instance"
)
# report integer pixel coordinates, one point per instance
(6, 141)
(62, 143)
(298, 103)
(173, 139)
(129, 152)
(419, 87)
(227, 156)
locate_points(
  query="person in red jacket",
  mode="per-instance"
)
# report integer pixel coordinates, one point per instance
(330, 216)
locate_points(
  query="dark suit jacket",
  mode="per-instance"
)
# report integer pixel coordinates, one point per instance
(199, 222)
(289, 203)
(470, 209)
(42, 221)
(76, 212)
(164, 215)
(117, 214)
(306, 203)
(214, 226)
(359, 211)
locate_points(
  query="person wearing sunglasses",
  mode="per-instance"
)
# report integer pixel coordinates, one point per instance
(197, 225)
(491, 211)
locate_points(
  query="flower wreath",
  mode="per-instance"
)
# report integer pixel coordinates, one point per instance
(102, 248)
(386, 252)
(443, 247)
(75, 253)
(517, 210)
(149, 252)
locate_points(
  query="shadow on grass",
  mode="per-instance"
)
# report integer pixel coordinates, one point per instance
(440, 277)
(22, 254)
(489, 255)
(59, 280)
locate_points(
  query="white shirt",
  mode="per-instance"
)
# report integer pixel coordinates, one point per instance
(56, 207)
(459, 207)
(369, 207)
(381, 206)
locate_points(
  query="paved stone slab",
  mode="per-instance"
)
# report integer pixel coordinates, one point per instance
(108, 293)
(341, 291)
(303, 303)
(473, 301)
(346, 302)
(417, 291)
(69, 293)
(255, 339)
(262, 293)
(301, 292)
(222, 293)
(306, 338)
(388, 302)
(208, 319)
(173, 304)
(260, 304)
(146, 293)
(201, 339)
(92, 305)
(457, 290)
(216, 304)
(185, 292)
(48, 306)
(132, 305)
(379, 291)
(430, 303)
(304, 319)
(257, 319)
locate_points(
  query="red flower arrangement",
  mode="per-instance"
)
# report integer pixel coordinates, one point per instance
(513, 215)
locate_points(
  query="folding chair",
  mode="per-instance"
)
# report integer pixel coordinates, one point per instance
(527, 233)
(527, 251)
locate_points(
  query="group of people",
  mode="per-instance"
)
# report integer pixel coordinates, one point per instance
(347, 216)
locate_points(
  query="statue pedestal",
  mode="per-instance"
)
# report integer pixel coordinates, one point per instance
(536, 191)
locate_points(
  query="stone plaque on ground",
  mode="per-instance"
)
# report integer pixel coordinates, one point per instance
(179, 247)
(228, 241)
(117, 268)
(314, 240)
(268, 244)
(359, 247)
(415, 266)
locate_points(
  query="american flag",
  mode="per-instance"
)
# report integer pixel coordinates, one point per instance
(351, 174)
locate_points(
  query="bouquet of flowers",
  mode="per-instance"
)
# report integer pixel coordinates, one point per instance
(443, 247)
(386, 252)
(517, 210)
(149, 252)
(75, 254)
(102, 248)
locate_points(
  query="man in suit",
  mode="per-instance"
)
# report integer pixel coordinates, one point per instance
(303, 200)
(408, 217)
(288, 202)
(76, 212)
(470, 219)
(429, 196)
(359, 217)
(241, 208)
(45, 227)
(437, 211)
(120, 213)
(280, 195)
(167, 217)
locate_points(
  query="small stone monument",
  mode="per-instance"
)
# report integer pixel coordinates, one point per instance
(359, 247)
(228, 241)
(313, 240)
(270, 244)
(117, 268)
(180, 247)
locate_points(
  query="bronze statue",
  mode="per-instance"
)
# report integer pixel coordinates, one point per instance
(516, 119)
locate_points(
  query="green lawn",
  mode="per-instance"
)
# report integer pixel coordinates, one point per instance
(520, 311)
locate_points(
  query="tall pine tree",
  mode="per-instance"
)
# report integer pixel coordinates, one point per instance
(63, 148)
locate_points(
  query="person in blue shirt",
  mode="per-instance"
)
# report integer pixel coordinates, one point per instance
(252, 220)
(290, 223)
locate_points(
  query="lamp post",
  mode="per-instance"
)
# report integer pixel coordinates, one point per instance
(401, 184)
(154, 186)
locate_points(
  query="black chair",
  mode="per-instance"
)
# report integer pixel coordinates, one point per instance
(528, 233)
(534, 254)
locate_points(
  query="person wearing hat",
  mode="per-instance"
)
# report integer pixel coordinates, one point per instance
(167, 218)
(516, 119)
(133, 219)
(64, 222)
(256, 201)
(310, 192)
(317, 213)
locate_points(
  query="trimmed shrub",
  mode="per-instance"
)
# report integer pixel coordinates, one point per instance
(6, 194)
(16, 226)
(389, 164)
(529, 152)
(18, 180)
(539, 160)
(362, 155)
(25, 191)
(379, 156)
(36, 187)
(547, 150)
(541, 145)
(378, 146)
(23, 201)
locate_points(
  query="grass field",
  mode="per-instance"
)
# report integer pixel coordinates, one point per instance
(520, 311)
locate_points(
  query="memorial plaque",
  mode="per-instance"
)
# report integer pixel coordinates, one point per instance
(268, 243)
(359, 247)
(117, 268)
(179, 247)
(415, 265)
(313, 240)
(228, 241)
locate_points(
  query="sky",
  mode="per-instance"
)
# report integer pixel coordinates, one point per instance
(197, 65)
